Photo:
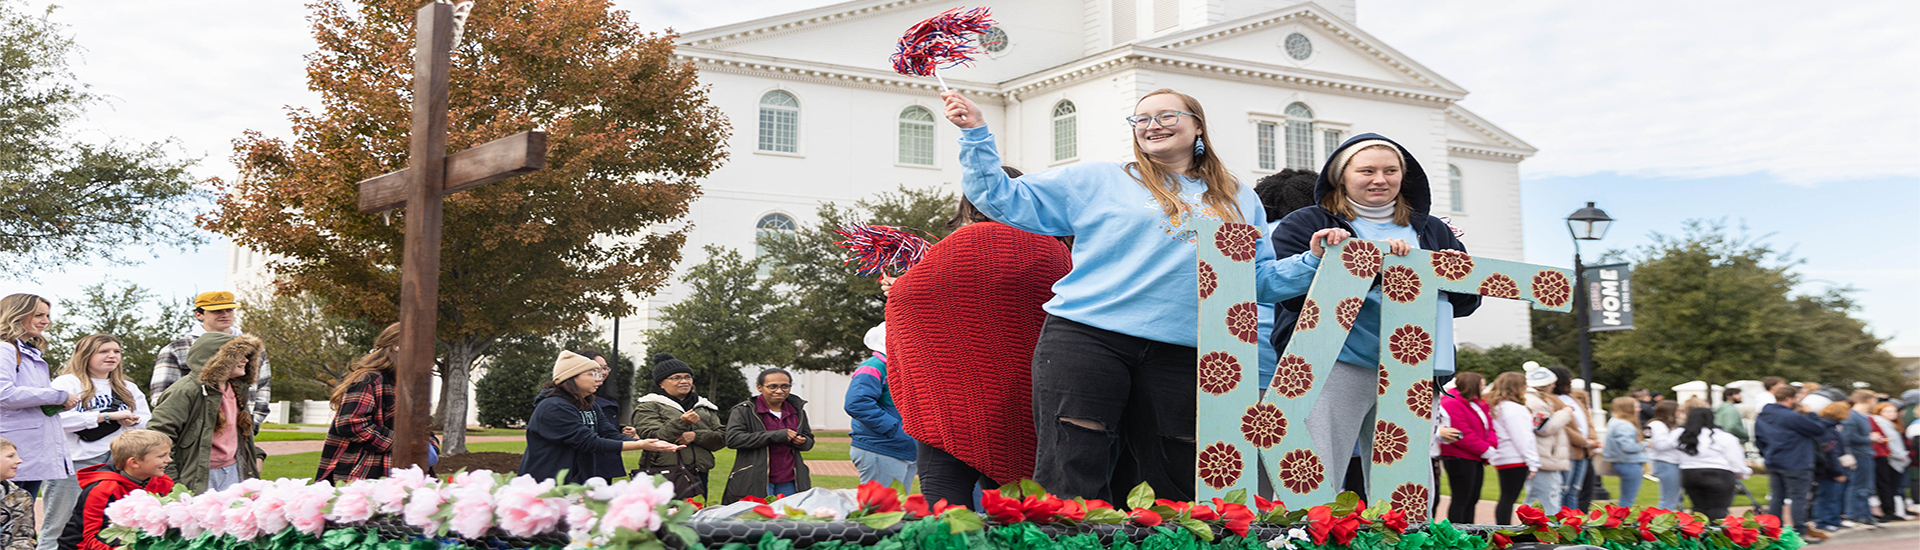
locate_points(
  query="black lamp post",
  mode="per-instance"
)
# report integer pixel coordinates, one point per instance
(1586, 224)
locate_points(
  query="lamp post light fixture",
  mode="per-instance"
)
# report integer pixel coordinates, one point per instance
(1585, 224)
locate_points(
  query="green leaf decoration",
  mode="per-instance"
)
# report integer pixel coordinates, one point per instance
(882, 521)
(1345, 503)
(1104, 515)
(1237, 496)
(962, 520)
(1030, 487)
(1374, 512)
(1199, 528)
(1141, 496)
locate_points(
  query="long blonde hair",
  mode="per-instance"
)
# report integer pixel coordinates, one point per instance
(1336, 199)
(375, 362)
(15, 311)
(1221, 185)
(1509, 386)
(83, 356)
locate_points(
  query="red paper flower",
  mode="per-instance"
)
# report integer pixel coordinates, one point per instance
(1769, 525)
(1395, 520)
(1144, 517)
(1347, 311)
(1500, 286)
(1502, 541)
(1690, 524)
(1309, 316)
(751, 498)
(1301, 471)
(1570, 517)
(1551, 288)
(1389, 442)
(1209, 281)
(1738, 531)
(1410, 344)
(1615, 515)
(1203, 512)
(1220, 465)
(1243, 321)
(1345, 527)
(1238, 517)
(1411, 498)
(916, 506)
(1219, 372)
(1319, 523)
(1292, 376)
(1042, 508)
(765, 511)
(1267, 505)
(1263, 425)
(1071, 510)
(1532, 516)
(1400, 284)
(1361, 258)
(1002, 508)
(878, 499)
(1236, 241)
(1452, 267)
(1383, 381)
(1420, 398)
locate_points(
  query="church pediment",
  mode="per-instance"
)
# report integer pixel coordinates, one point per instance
(1306, 37)
(1468, 132)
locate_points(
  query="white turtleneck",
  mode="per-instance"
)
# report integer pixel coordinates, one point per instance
(1375, 214)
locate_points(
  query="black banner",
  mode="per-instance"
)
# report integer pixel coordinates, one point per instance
(1609, 297)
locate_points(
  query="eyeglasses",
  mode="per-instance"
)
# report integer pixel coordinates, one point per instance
(1167, 119)
(600, 374)
(679, 378)
(778, 386)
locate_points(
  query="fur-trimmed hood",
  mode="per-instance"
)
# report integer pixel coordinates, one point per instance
(214, 356)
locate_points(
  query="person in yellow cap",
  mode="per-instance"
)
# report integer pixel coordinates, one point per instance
(217, 312)
(565, 434)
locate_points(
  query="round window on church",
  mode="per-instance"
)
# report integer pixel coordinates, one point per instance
(994, 40)
(1299, 47)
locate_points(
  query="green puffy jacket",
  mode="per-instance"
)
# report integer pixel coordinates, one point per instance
(658, 417)
(189, 410)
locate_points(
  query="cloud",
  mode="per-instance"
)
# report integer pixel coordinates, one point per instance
(1808, 92)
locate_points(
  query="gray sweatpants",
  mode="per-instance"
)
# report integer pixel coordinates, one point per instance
(1343, 416)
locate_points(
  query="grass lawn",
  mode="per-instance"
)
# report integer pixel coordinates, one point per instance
(302, 465)
(1649, 490)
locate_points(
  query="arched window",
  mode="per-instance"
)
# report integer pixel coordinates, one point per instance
(1066, 131)
(769, 226)
(779, 122)
(1299, 137)
(1456, 189)
(916, 136)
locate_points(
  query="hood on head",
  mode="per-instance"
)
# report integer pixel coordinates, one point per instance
(214, 356)
(1413, 180)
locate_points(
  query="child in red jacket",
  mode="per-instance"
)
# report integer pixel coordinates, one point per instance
(140, 459)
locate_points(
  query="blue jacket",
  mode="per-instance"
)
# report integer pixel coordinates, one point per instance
(1623, 444)
(1291, 237)
(1785, 438)
(876, 421)
(560, 436)
(1858, 431)
(1827, 457)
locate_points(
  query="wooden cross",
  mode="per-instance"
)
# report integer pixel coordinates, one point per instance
(431, 175)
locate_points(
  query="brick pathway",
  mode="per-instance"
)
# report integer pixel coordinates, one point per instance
(275, 448)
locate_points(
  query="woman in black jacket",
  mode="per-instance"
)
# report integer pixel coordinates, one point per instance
(565, 431)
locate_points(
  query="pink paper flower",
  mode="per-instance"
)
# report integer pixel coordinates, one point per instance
(580, 520)
(472, 501)
(209, 511)
(409, 479)
(352, 505)
(305, 507)
(180, 516)
(239, 521)
(522, 512)
(634, 507)
(140, 510)
(420, 509)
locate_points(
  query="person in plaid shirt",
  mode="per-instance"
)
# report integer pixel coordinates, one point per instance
(217, 312)
(360, 443)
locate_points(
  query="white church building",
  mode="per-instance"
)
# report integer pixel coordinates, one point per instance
(819, 116)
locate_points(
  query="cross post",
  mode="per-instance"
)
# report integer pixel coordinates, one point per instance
(430, 176)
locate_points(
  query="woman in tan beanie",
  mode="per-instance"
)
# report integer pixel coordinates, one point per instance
(562, 435)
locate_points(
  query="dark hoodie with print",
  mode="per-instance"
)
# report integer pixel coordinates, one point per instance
(100, 485)
(1297, 228)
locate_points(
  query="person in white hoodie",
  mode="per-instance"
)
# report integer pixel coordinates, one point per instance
(1516, 458)
(1712, 463)
(1663, 446)
(109, 406)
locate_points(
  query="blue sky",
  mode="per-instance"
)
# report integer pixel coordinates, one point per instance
(1795, 120)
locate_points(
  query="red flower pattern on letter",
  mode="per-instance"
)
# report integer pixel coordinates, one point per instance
(1361, 258)
(1309, 316)
(1243, 321)
(1411, 499)
(1420, 398)
(1209, 281)
(1236, 241)
(1301, 471)
(1219, 372)
(1500, 286)
(1389, 442)
(1551, 288)
(1263, 425)
(1347, 312)
(1452, 267)
(1383, 380)
(1220, 465)
(1400, 284)
(1410, 344)
(1292, 376)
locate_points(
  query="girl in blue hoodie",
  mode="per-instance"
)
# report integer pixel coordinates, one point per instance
(1115, 362)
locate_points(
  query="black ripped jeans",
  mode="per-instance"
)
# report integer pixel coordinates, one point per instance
(1139, 391)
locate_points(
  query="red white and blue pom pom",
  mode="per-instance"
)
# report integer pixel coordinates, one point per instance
(879, 249)
(942, 42)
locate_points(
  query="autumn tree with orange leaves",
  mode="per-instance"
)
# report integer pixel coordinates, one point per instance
(631, 134)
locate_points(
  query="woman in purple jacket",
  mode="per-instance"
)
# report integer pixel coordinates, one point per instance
(25, 387)
(1465, 460)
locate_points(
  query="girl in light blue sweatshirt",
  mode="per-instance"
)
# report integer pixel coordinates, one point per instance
(1624, 448)
(1115, 362)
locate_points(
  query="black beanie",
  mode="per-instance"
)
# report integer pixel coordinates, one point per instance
(664, 365)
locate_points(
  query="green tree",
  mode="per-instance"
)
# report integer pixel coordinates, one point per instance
(1554, 334)
(65, 198)
(1718, 307)
(125, 311)
(832, 308)
(631, 135)
(729, 321)
(310, 348)
(1498, 359)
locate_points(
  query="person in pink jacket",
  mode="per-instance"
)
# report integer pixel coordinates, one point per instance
(1465, 459)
